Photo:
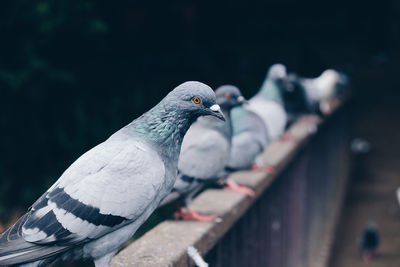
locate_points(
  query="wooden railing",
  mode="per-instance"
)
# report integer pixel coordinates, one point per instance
(291, 220)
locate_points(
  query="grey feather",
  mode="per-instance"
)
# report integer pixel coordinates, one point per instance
(259, 122)
(206, 148)
(204, 151)
(105, 195)
(250, 136)
(268, 102)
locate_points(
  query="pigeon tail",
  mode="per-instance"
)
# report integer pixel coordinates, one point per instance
(15, 250)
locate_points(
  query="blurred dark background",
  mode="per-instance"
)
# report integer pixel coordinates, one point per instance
(72, 72)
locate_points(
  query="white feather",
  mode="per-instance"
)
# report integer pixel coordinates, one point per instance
(32, 235)
(272, 113)
(196, 257)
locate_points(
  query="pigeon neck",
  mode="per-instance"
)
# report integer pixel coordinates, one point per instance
(271, 90)
(227, 124)
(164, 126)
(224, 127)
(227, 113)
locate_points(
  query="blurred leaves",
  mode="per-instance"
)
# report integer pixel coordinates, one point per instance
(45, 113)
(97, 26)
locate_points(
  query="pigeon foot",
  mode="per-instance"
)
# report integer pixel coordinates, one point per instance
(191, 215)
(286, 137)
(263, 168)
(367, 258)
(233, 186)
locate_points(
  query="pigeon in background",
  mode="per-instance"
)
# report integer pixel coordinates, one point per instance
(295, 99)
(323, 92)
(368, 242)
(204, 154)
(106, 194)
(250, 137)
(360, 146)
(398, 194)
(255, 125)
(268, 102)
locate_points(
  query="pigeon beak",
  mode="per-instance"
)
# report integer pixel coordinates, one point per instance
(242, 100)
(216, 112)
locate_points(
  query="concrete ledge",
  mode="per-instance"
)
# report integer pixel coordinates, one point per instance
(166, 244)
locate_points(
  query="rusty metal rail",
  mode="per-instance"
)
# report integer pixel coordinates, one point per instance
(290, 222)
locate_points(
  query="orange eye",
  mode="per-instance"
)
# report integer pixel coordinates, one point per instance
(196, 100)
(227, 95)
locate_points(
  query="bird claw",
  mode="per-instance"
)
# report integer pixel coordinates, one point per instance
(367, 258)
(263, 168)
(328, 107)
(287, 138)
(191, 215)
(233, 186)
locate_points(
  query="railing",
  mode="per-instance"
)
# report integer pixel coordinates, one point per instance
(290, 222)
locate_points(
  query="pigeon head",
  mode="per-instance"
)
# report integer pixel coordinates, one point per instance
(276, 71)
(167, 122)
(273, 85)
(371, 226)
(229, 96)
(195, 99)
(330, 76)
(293, 94)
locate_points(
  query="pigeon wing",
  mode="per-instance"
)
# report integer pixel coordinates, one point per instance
(204, 153)
(107, 187)
(245, 148)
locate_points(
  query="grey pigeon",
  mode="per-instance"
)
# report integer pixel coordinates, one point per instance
(268, 103)
(205, 152)
(360, 146)
(250, 137)
(259, 122)
(368, 242)
(398, 194)
(106, 194)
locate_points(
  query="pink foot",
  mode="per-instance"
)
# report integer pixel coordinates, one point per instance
(367, 258)
(263, 168)
(329, 107)
(286, 137)
(233, 186)
(191, 215)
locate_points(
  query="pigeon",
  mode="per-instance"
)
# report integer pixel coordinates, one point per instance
(204, 154)
(323, 92)
(255, 125)
(295, 99)
(360, 146)
(250, 137)
(106, 194)
(368, 242)
(398, 194)
(268, 102)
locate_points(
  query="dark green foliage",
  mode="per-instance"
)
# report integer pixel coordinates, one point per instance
(56, 100)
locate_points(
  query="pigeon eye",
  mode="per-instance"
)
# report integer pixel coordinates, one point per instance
(227, 95)
(196, 100)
